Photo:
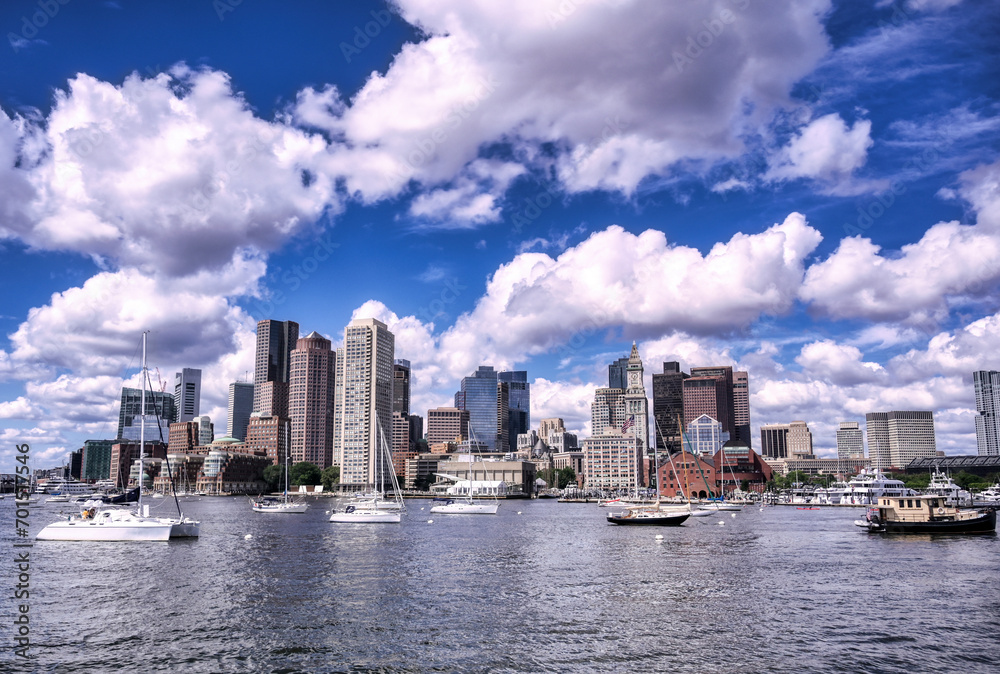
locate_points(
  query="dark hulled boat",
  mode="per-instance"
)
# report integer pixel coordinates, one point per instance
(927, 515)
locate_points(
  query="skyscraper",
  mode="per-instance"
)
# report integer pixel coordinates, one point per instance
(618, 374)
(159, 407)
(488, 409)
(447, 424)
(240, 408)
(187, 393)
(704, 395)
(774, 441)
(725, 412)
(275, 341)
(741, 407)
(607, 410)
(401, 386)
(896, 438)
(402, 440)
(800, 441)
(850, 440)
(310, 400)
(366, 417)
(518, 404)
(668, 405)
(987, 387)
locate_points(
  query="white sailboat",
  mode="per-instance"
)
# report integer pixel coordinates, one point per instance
(116, 524)
(369, 511)
(466, 504)
(272, 505)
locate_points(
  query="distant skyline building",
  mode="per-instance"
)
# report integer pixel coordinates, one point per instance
(850, 440)
(401, 373)
(518, 404)
(705, 436)
(800, 441)
(896, 438)
(310, 400)
(488, 401)
(607, 410)
(96, 460)
(704, 395)
(159, 405)
(774, 441)
(206, 429)
(636, 403)
(987, 388)
(725, 411)
(366, 419)
(239, 409)
(668, 406)
(741, 407)
(275, 341)
(447, 424)
(618, 374)
(187, 393)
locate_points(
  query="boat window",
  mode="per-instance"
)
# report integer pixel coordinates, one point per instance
(918, 503)
(900, 503)
(909, 503)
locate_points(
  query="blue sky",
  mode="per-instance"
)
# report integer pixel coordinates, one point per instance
(809, 191)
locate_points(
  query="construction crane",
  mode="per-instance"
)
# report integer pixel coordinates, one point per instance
(163, 384)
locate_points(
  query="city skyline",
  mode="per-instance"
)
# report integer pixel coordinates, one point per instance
(804, 192)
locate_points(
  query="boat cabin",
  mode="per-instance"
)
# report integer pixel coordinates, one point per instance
(921, 509)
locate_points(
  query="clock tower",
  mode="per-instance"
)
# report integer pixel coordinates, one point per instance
(636, 403)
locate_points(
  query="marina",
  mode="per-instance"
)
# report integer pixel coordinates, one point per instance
(540, 586)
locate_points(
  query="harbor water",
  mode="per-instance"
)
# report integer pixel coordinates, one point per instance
(540, 587)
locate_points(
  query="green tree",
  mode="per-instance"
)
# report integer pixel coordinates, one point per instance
(566, 476)
(330, 477)
(423, 482)
(304, 472)
(274, 476)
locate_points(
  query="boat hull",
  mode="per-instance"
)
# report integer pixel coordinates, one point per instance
(467, 508)
(281, 508)
(985, 524)
(111, 531)
(651, 519)
(363, 516)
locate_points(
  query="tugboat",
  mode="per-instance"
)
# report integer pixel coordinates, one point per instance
(927, 515)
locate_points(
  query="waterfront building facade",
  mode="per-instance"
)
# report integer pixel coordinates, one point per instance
(688, 475)
(612, 461)
(310, 400)
(275, 342)
(447, 424)
(366, 419)
(850, 440)
(187, 393)
(268, 435)
(987, 388)
(239, 409)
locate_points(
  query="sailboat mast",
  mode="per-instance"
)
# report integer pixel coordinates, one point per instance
(142, 421)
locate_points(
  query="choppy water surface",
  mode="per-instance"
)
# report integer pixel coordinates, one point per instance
(540, 587)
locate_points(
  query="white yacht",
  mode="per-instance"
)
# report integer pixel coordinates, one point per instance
(991, 495)
(943, 485)
(867, 486)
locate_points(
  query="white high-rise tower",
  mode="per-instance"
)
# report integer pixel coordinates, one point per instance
(366, 403)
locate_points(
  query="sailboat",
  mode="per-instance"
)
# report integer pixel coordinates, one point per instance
(267, 504)
(369, 511)
(466, 504)
(116, 524)
(654, 514)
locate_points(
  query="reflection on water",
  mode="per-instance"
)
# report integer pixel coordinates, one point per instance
(553, 589)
